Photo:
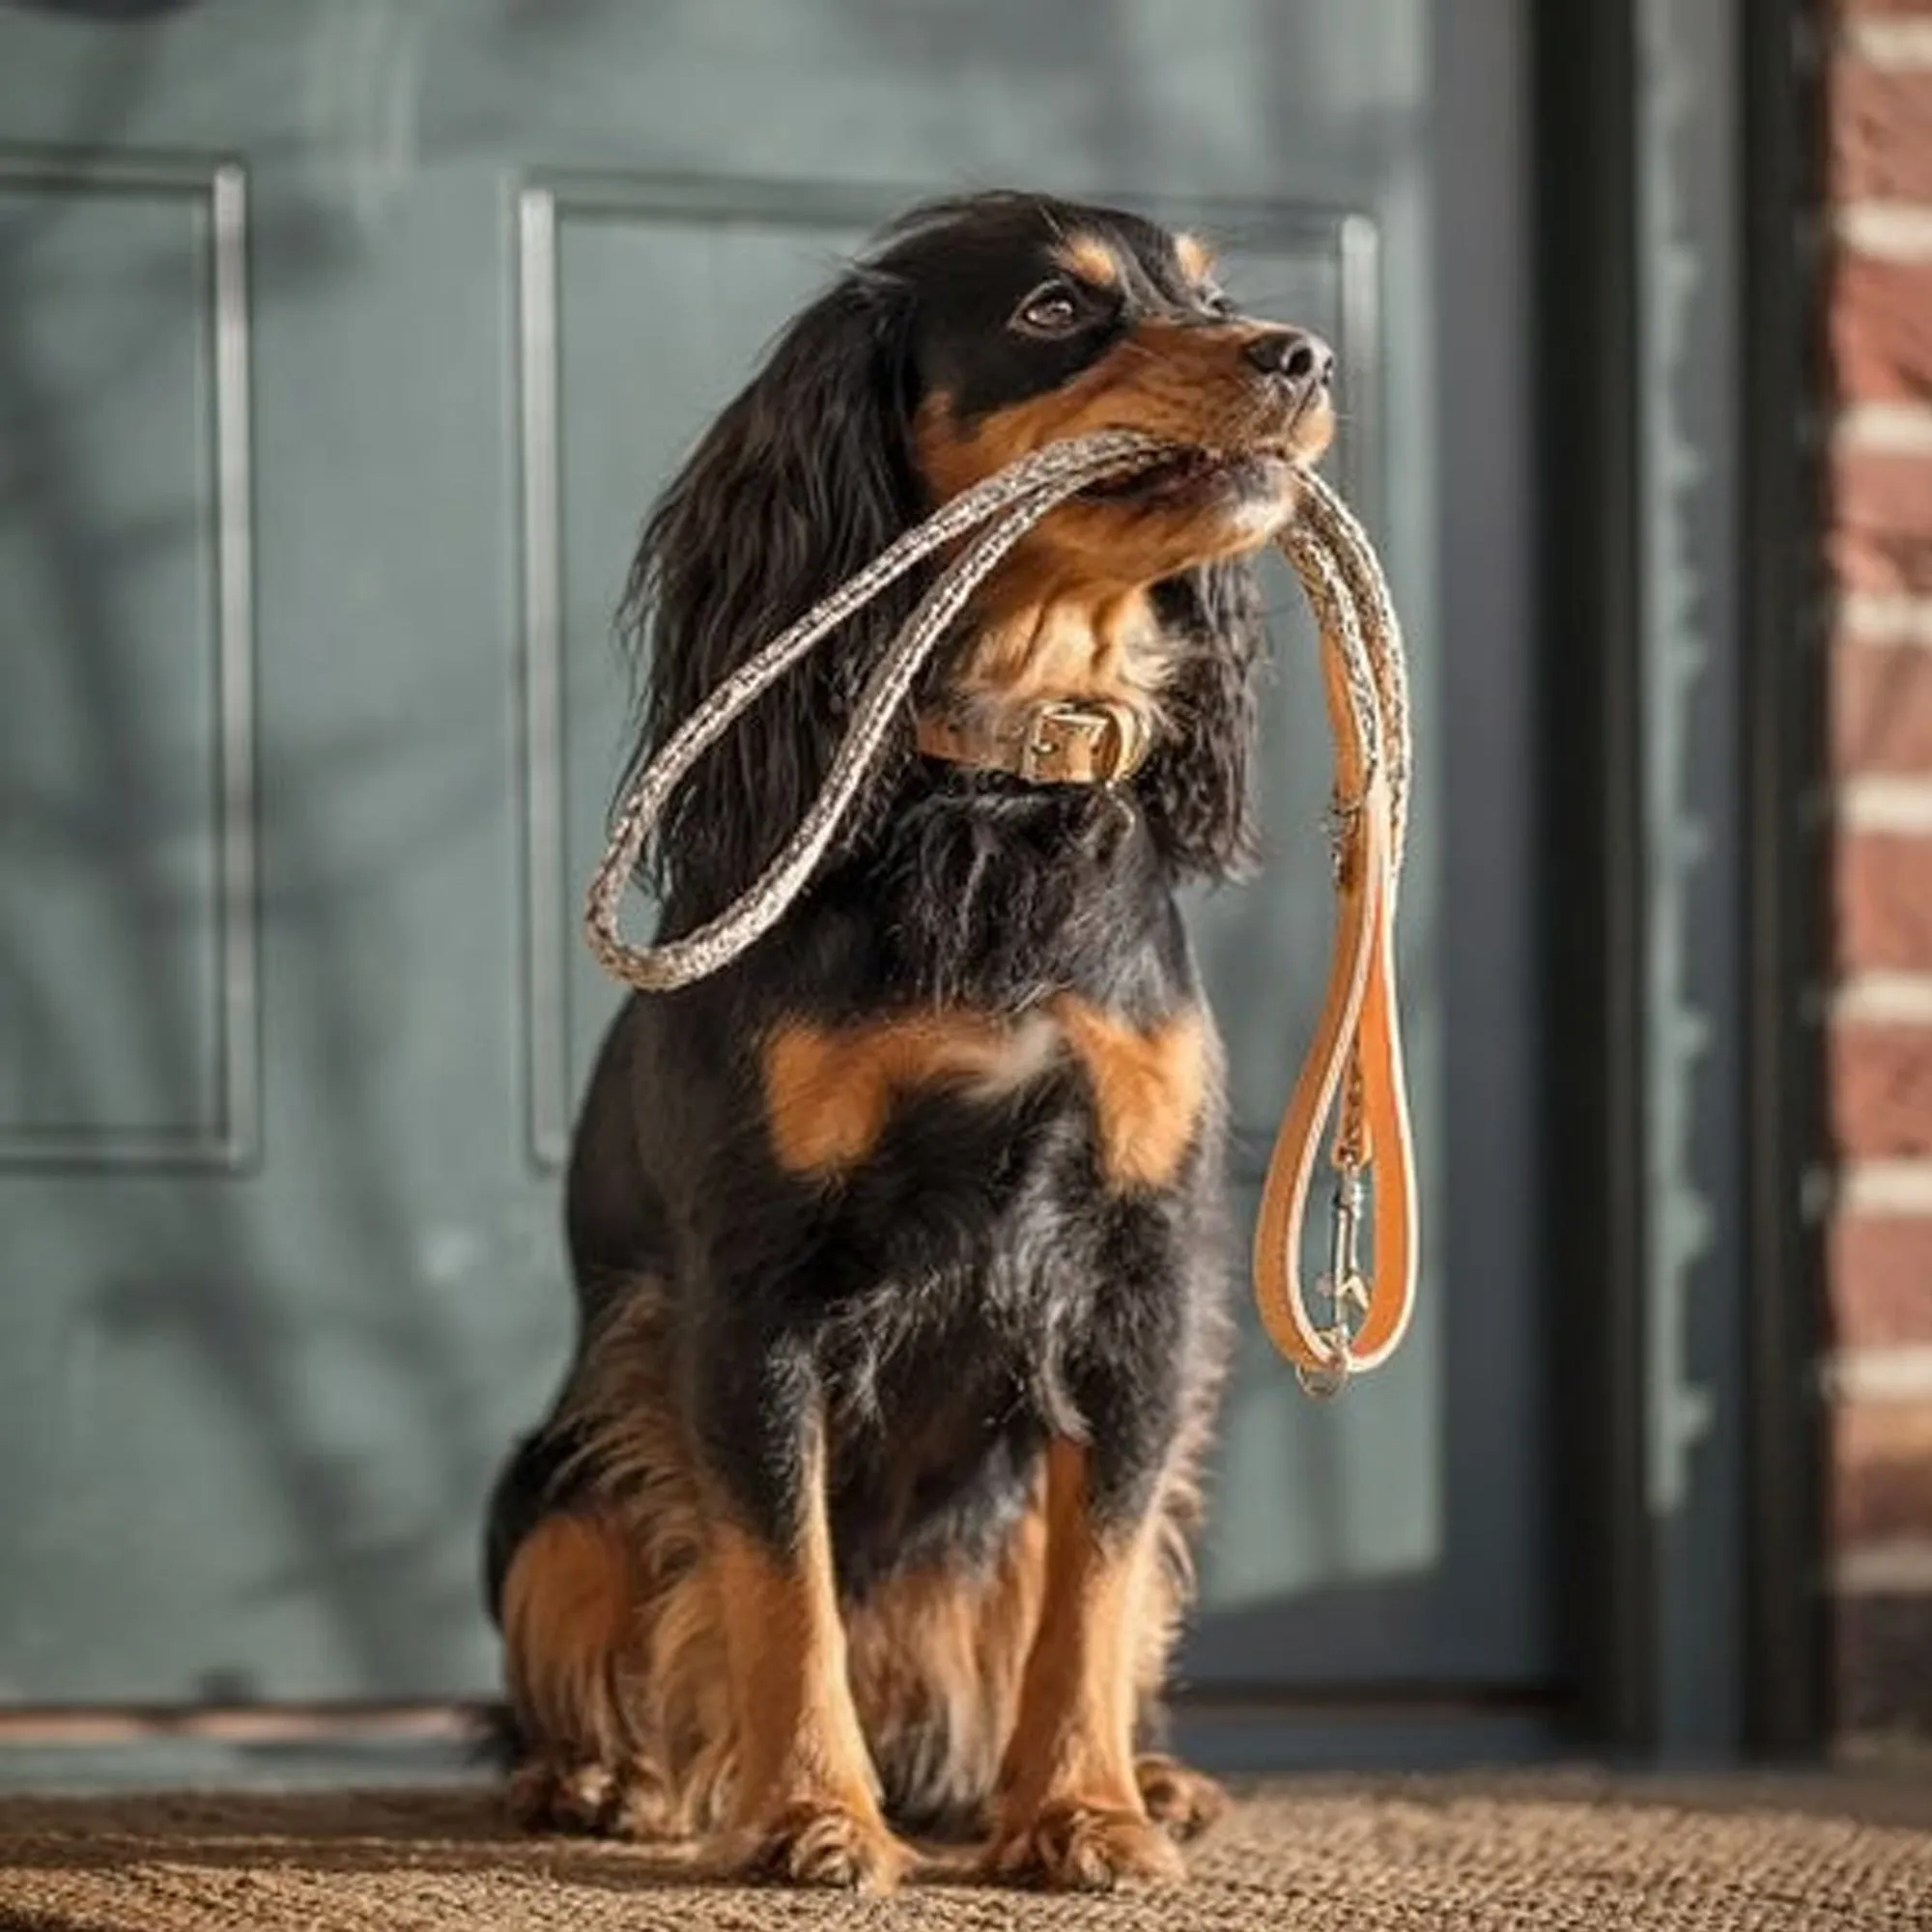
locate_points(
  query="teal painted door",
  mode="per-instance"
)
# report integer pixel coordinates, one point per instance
(341, 347)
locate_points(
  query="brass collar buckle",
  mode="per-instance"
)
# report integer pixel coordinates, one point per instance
(1083, 744)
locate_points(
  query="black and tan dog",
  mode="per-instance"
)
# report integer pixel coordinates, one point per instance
(866, 1502)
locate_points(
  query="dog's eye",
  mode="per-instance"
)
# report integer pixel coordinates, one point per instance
(1052, 309)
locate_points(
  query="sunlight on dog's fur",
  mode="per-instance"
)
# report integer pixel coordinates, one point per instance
(866, 1507)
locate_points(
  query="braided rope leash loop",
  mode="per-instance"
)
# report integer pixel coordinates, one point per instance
(1012, 501)
(1366, 632)
(1353, 1070)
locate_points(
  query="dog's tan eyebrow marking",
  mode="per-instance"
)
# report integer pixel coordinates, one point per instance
(1196, 258)
(1090, 258)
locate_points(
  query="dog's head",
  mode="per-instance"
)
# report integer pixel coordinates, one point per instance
(973, 332)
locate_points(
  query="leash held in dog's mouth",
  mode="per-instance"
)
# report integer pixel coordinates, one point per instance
(1353, 1071)
(1264, 470)
(1172, 475)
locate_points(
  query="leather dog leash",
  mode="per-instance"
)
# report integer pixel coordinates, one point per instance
(1353, 1067)
(1353, 1070)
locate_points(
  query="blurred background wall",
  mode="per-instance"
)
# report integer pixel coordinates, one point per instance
(1880, 296)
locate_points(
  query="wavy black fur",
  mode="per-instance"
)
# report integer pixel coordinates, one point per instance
(800, 483)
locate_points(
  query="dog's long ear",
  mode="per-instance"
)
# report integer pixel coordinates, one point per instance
(801, 480)
(1197, 787)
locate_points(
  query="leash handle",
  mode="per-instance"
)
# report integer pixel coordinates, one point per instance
(1353, 1070)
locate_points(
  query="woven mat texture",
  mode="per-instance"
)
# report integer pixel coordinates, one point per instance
(1519, 1852)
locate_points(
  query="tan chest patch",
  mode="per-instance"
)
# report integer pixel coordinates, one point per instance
(1150, 1089)
(830, 1091)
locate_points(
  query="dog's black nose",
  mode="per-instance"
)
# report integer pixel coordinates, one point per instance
(1302, 360)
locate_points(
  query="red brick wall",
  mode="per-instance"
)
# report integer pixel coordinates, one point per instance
(1881, 1027)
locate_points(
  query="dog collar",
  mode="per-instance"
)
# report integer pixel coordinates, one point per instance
(1061, 741)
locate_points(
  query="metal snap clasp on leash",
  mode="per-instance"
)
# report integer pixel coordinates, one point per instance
(1344, 1287)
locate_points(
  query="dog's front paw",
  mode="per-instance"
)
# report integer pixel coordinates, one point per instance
(1185, 1802)
(630, 1801)
(1068, 1845)
(544, 1795)
(818, 1841)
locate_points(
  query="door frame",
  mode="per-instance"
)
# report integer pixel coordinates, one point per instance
(1761, 934)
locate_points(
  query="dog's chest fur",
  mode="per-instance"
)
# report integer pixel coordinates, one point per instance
(968, 1268)
(988, 1077)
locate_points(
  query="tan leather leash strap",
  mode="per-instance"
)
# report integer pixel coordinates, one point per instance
(1353, 1070)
